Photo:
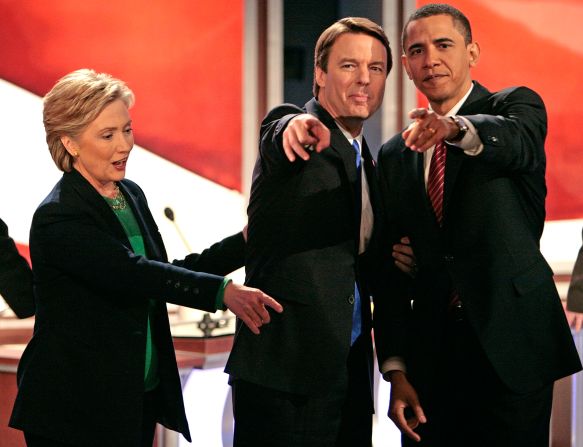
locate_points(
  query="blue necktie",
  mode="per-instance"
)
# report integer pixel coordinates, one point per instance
(356, 313)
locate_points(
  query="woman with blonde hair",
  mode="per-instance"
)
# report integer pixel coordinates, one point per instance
(100, 369)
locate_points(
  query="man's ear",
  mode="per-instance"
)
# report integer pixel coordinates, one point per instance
(70, 145)
(320, 77)
(474, 53)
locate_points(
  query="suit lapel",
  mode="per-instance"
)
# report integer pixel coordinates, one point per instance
(339, 145)
(89, 196)
(153, 247)
(371, 175)
(453, 165)
(455, 156)
(475, 102)
(414, 173)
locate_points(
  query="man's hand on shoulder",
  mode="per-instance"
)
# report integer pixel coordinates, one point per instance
(303, 134)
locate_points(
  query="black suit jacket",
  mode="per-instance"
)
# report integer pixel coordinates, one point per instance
(81, 378)
(575, 294)
(302, 250)
(487, 249)
(15, 277)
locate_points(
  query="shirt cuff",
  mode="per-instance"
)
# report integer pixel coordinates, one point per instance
(471, 143)
(393, 364)
(219, 305)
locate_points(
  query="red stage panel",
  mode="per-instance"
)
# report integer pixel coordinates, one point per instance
(182, 59)
(531, 43)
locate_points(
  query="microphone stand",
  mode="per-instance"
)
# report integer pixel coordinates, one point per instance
(169, 213)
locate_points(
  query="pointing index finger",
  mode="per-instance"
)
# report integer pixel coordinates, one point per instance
(418, 113)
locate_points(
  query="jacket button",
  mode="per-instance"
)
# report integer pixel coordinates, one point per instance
(177, 285)
(351, 299)
(195, 290)
(493, 139)
(448, 258)
(186, 289)
(168, 282)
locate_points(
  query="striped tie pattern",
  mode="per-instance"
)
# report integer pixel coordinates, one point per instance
(435, 192)
(435, 180)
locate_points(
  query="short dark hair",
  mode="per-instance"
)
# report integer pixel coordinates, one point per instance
(460, 21)
(354, 25)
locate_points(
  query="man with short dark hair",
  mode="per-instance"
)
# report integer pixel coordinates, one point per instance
(473, 344)
(307, 380)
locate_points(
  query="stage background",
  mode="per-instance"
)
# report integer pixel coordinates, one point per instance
(184, 60)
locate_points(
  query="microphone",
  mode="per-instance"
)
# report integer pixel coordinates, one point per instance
(169, 213)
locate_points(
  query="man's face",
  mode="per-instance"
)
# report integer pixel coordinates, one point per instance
(353, 86)
(438, 60)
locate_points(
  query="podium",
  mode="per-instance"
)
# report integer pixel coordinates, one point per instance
(9, 357)
(14, 335)
(200, 359)
(208, 402)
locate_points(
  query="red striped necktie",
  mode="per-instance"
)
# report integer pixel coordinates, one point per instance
(435, 180)
(435, 193)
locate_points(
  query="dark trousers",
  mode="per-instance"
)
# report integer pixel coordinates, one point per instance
(266, 417)
(149, 418)
(467, 404)
(146, 436)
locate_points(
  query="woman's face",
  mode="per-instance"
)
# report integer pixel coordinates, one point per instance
(101, 151)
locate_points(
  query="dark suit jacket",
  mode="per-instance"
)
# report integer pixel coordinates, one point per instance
(487, 249)
(302, 250)
(15, 277)
(575, 294)
(81, 378)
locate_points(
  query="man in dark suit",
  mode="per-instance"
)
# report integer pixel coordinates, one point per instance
(473, 344)
(306, 380)
(15, 277)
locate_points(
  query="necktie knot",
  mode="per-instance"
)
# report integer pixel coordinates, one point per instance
(356, 147)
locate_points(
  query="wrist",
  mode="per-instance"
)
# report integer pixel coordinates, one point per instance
(394, 375)
(459, 128)
(221, 297)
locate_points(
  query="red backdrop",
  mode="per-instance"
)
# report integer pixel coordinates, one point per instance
(532, 43)
(182, 59)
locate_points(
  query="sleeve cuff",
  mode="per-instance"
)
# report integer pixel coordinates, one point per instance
(393, 364)
(471, 143)
(219, 305)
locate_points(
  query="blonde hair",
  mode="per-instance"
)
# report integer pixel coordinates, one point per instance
(73, 103)
(354, 25)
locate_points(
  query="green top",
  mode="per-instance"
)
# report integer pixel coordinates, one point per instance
(130, 225)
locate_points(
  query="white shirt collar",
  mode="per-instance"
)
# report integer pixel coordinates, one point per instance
(454, 110)
(349, 136)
